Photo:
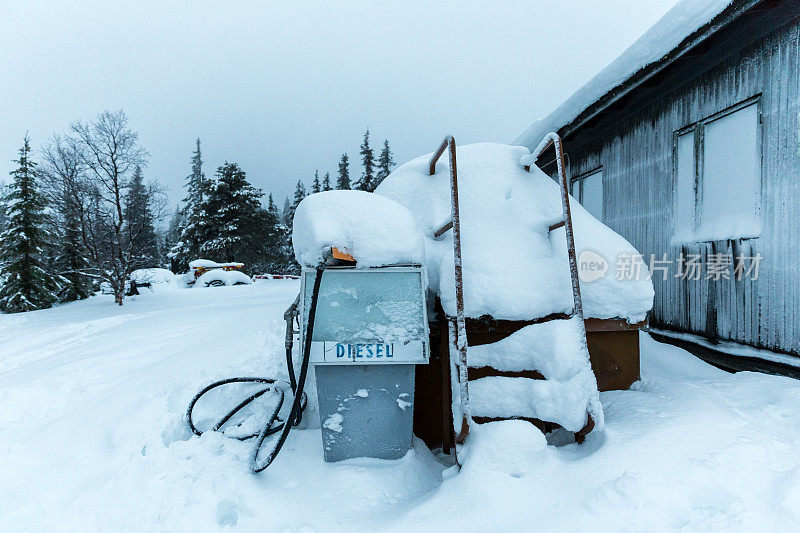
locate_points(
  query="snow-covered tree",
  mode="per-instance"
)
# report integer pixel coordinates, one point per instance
(66, 188)
(299, 194)
(315, 186)
(196, 181)
(385, 163)
(287, 213)
(186, 247)
(367, 181)
(172, 236)
(139, 229)
(25, 282)
(288, 265)
(3, 216)
(326, 182)
(240, 229)
(109, 154)
(343, 181)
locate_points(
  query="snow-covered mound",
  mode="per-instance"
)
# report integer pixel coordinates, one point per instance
(374, 229)
(513, 267)
(152, 275)
(224, 277)
(207, 263)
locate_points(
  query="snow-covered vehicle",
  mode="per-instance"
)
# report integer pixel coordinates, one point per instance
(206, 273)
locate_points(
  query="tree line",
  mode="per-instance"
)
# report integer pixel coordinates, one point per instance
(373, 173)
(84, 214)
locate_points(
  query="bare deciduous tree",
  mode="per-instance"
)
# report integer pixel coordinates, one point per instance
(109, 153)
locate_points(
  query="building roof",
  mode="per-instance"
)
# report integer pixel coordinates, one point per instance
(687, 24)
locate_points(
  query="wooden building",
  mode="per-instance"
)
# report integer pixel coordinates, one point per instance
(693, 155)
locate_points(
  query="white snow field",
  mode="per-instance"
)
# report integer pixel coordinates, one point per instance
(93, 438)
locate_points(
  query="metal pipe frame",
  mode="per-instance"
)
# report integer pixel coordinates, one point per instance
(460, 337)
(554, 140)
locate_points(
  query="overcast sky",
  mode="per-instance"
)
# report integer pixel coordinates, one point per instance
(285, 88)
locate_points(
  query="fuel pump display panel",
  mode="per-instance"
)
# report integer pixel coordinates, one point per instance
(367, 316)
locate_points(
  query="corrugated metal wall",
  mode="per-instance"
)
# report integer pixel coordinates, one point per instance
(637, 162)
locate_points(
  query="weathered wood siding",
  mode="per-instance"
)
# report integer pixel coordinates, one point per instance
(636, 156)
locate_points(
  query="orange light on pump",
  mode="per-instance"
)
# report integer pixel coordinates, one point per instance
(342, 255)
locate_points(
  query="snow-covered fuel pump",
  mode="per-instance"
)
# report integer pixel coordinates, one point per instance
(362, 325)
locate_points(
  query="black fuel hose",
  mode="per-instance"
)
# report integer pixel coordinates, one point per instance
(298, 403)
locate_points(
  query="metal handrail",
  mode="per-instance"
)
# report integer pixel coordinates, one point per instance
(460, 334)
(554, 140)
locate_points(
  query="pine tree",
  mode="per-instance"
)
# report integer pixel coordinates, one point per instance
(287, 213)
(385, 163)
(187, 246)
(172, 236)
(65, 185)
(326, 183)
(315, 186)
(139, 229)
(3, 215)
(25, 282)
(71, 262)
(343, 181)
(196, 181)
(299, 194)
(367, 181)
(240, 229)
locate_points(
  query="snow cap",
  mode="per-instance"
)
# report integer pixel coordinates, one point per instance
(374, 229)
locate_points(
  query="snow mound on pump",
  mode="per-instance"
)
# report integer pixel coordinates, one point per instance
(374, 229)
(513, 267)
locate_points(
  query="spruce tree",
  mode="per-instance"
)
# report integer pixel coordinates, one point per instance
(315, 186)
(240, 229)
(139, 227)
(195, 182)
(172, 236)
(286, 213)
(187, 246)
(299, 194)
(385, 163)
(343, 181)
(71, 262)
(367, 181)
(25, 282)
(326, 183)
(3, 216)
(66, 188)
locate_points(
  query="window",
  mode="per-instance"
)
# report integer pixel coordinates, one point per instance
(718, 177)
(588, 190)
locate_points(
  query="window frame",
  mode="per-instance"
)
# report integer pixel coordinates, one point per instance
(578, 181)
(698, 130)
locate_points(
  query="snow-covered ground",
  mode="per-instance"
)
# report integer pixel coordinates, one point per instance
(93, 437)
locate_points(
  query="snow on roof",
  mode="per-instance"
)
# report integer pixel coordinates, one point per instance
(372, 228)
(682, 20)
(513, 267)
